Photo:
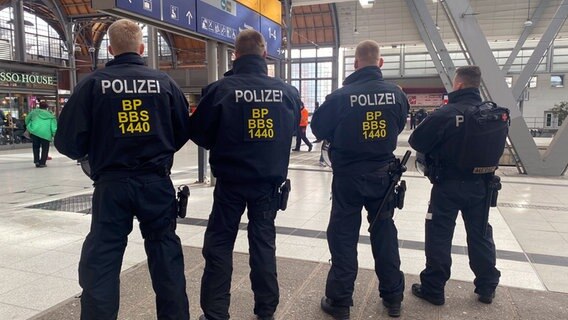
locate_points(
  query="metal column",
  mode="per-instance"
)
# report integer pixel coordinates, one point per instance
(211, 76)
(152, 49)
(71, 52)
(19, 30)
(223, 60)
(288, 21)
(433, 41)
(469, 31)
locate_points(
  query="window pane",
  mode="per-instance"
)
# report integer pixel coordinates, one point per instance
(325, 69)
(295, 53)
(296, 84)
(308, 92)
(308, 53)
(271, 70)
(325, 52)
(557, 81)
(324, 88)
(308, 70)
(533, 82)
(295, 70)
(509, 81)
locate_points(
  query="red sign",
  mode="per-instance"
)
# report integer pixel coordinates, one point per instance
(425, 100)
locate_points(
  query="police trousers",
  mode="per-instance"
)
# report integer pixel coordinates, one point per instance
(151, 199)
(229, 203)
(446, 199)
(349, 195)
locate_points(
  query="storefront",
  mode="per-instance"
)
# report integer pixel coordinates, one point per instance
(23, 85)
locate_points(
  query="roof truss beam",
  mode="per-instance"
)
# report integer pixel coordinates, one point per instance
(535, 18)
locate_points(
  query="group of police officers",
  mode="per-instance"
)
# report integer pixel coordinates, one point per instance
(130, 120)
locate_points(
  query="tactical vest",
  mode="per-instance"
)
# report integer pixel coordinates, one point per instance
(486, 129)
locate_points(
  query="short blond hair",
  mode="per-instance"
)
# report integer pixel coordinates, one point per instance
(368, 53)
(250, 42)
(124, 36)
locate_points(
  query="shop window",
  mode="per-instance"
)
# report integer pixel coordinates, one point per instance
(557, 81)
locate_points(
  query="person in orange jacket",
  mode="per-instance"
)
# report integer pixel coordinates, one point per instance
(301, 132)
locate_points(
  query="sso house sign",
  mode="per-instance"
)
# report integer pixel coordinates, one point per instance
(15, 77)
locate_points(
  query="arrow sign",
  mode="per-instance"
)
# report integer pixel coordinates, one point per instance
(182, 8)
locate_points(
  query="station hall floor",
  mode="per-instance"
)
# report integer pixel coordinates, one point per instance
(44, 217)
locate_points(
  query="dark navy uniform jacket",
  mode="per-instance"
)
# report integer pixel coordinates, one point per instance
(127, 117)
(440, 135)
(247, 120)
(362, 120)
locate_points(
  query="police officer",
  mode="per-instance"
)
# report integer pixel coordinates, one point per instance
(247, 120)
(439, 137)
(362, 121)
(130, 120)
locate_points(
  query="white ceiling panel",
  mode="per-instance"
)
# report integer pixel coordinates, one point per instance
(389, 21)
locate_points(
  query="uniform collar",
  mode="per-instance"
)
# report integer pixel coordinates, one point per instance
(364, 74)
(464, 94)
(250, 63)
(126, 58)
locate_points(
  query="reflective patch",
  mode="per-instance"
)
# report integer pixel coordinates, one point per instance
(260, 124)
(429, 216)
(374, 126)
(134, 116)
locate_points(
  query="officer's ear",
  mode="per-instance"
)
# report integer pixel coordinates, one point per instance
(141, 49)
(356, 64)
(110, 50)
(264, 54)
(381, 62)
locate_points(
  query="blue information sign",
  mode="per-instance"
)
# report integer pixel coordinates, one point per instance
(148, 8)
(180, 13)
(272, 33)
(224, 19)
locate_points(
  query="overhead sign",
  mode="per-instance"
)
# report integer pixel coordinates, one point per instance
(148, 8)
(180, 13)
(224, 19)
(218, 19)
(272, 33)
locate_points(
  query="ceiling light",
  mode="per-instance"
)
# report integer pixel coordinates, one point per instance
(528, 23)
(366, 4)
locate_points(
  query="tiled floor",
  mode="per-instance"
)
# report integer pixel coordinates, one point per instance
(39, 248)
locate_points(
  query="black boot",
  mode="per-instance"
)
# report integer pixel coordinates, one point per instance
(337, 312)
(417, 291)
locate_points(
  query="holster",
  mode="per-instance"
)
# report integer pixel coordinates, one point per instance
(182, 197)
(284, 193)
(493, 186)
(400, 193)
(277, 200)
(396, 198)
